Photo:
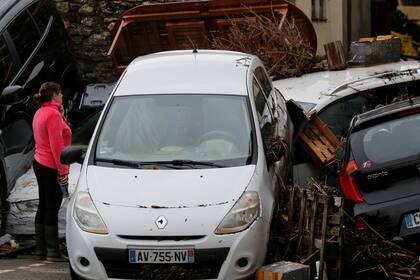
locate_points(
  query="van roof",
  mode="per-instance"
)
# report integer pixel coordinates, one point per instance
(320, 86)
(186, 72)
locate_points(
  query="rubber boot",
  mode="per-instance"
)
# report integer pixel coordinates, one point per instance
(53, 250)
(40, 249)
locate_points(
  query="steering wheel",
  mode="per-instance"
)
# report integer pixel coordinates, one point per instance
(218, 134)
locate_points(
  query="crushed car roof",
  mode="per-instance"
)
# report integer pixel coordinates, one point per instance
(186, 72)
(320, 86)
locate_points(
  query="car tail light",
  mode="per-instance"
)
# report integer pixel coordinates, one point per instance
(348, 183)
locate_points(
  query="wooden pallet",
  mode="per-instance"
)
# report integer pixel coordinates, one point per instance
(315, 230)
(319, 142)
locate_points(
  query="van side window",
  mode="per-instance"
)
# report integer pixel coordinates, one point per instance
(7, 65)
(263, 80)
(24, 34)
(38, 12)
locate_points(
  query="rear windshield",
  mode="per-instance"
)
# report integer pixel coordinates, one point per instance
(393, 140)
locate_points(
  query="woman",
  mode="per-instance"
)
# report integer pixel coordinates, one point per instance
(51, 134)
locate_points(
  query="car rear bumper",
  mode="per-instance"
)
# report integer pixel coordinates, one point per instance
(390, 215)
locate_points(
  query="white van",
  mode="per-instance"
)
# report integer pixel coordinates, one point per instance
(176, 180)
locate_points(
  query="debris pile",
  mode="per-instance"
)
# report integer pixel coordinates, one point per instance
(313, 226)
(308, 228)
(376, 257)
(285, 54)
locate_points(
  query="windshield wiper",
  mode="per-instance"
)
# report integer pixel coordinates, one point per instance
(183, 162)
(120, 162)
(168, 164)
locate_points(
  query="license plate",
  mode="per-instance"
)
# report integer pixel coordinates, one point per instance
(412, 220)
(161, 255)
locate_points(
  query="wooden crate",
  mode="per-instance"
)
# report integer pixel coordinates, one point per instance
(318, 141)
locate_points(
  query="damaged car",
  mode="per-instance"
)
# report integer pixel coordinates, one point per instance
(381, 168)
(337, 96)
(177, 179)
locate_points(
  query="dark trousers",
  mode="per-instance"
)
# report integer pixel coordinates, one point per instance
(50, 196)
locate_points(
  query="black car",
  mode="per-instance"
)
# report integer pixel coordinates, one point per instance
(33, 49)
(381, 171)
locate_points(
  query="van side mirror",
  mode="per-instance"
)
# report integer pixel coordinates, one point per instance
(11, 95)
(72, 154)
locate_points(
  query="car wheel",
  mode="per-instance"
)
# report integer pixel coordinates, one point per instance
(73, 274)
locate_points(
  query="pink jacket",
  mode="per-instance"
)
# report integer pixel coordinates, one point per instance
(51, 134)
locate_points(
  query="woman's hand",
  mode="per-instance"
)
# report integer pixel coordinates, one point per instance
(63, 180)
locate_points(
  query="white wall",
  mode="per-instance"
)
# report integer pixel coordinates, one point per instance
(332, 28)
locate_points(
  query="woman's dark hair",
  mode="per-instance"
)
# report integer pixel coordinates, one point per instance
(46, 91)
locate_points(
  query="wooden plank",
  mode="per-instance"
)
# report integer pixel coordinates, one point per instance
(161, 16)
(114, 43)
(340, 240)
(290, 210)
(384, 37)
(312, 224)
(323, 238)
(367, 40)
(335, 55)
(283, 14)
(186, 35)
(302, 210)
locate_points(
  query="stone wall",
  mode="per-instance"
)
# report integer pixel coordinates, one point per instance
(90, 24)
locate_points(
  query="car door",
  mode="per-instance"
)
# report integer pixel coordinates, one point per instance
(8, 64)
(24, 39)
(18, 44)
(275, 122)
(17, 140)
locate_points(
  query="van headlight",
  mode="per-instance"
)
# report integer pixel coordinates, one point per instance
(242, 214)
(86, 215)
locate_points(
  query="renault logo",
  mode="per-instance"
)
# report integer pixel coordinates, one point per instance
(161, 222)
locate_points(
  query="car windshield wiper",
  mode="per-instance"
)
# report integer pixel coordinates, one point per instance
(128, 163)
(183, 162)
(169, 163)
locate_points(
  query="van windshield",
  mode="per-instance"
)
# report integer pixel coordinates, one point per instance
(163, 128)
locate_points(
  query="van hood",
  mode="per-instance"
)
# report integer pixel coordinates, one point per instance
(161, 189)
